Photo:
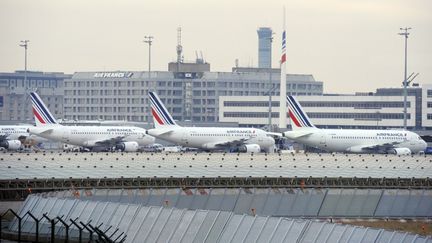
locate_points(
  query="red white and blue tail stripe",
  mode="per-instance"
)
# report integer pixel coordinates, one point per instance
(283, 56)
(161, 116)
(41, 113)
(298, 117)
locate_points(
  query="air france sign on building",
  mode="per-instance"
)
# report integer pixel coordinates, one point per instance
(113, 75)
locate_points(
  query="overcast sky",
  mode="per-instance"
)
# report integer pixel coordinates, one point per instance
(351, 45)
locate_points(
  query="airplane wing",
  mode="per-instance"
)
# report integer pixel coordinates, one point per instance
(108, 142)
(232, 143)
(158, 132)
(298, 134)
(48, 131)
(274, 134)
(374, 147)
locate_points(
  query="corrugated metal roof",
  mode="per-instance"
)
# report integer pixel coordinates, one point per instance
(161, 224)
(132, 165)
(286, 202)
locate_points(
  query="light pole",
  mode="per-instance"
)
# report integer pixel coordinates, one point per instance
(149, 40)
(405, 33)
(24, 43)
(270, 87)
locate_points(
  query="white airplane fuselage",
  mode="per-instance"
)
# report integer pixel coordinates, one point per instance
(14, 132)
(351, 140)
(88, 136)
(13, 137)
(208, 137)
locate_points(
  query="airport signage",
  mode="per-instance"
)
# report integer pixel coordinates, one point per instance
(113, 75)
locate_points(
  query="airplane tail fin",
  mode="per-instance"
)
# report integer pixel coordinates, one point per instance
(161, 116)
(41, 113)
(299, 118)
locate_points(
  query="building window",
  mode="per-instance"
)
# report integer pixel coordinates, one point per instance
(429, 93)
(429, 116)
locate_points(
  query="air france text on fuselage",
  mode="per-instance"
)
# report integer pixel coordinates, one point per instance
(119, 130)
(240, 131)
(388, 134)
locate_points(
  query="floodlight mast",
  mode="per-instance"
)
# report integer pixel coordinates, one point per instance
(405, 84)
(24, 43)
(149, 40)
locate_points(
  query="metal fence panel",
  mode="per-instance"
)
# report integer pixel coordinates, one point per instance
(243, 202)
(206, 226)
(268, 229)
(274, 198)
(186, 197)
(136, 224)
(218, 226)
(215, 199)
(314, 203)
(330, 202)
(231, 228)
(229, 200)
(260, 198)
(182, 226)
(287, 202)
(256, 229)
(171, 225)
(243, 229)
(157, 226)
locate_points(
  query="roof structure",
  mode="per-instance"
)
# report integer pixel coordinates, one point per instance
(160, 224)
(210, 165)
(286, 202)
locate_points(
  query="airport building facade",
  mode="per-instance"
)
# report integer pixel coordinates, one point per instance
(15, 104)
(382, 109)
(189, 90)
(197, 96)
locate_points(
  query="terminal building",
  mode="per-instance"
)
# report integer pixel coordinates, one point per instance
(15, 104)
(382, 109)
(189, 90)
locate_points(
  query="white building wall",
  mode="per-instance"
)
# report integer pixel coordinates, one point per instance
(263, 121)
(427, 111)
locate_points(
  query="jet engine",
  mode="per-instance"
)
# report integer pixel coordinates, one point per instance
(401, 151)
(127, 146)
(250, 148)
(11, 144)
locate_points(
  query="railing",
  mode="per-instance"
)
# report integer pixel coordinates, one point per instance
(55, 223)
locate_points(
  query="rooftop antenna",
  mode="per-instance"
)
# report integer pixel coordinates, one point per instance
(411, 78)
(179, 46)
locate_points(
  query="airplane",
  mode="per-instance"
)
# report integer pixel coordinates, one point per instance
(15, 137)
(95, 138)
(206, 138)
(398, 142)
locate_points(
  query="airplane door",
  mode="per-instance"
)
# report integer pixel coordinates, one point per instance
(323, 140)
(65, 136)
(184, 138)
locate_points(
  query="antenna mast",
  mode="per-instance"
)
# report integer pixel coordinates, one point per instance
(179, 46)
